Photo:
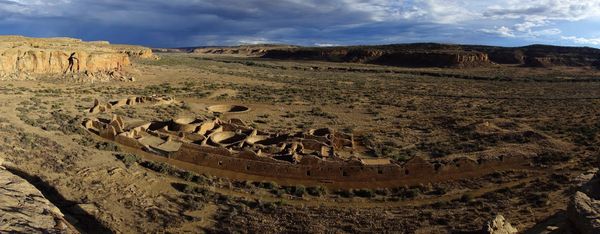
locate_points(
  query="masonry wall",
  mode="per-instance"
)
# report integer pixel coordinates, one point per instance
(416, 168)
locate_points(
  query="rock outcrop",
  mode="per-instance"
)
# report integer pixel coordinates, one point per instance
(442, 55)
(29, 58)
(23, 208)
(136, 51)
(246, 50)
(584, 208)
(411, 55)
(499, 225)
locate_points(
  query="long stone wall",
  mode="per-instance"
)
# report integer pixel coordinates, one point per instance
(416, 168)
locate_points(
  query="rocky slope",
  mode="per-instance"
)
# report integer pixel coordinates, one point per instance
(442, 55)
(23, 208)
(27, 58)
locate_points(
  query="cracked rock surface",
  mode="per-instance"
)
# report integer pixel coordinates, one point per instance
(23, 208)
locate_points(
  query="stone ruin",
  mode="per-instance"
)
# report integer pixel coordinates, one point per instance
(131, 101)
(318, 154)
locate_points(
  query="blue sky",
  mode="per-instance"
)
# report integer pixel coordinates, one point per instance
(179, 23)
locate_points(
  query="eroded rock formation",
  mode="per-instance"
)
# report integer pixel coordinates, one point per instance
(584, 208)
(29, 58)
(499, 225)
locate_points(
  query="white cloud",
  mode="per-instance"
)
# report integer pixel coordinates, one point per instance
(581, 40)
(326, 44)
(500, 31)
(34, 7)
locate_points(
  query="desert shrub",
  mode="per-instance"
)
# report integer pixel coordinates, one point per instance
(158, 167)
(382, 192)
(317, 111)
(190, 189)
(129, 159)
(107, 146)
(261, 121)
(188, 176)
(199, 179)
(439, 191)
(28, 140)
(297, 190)
(409, 193)
(268, 185)
(466, 198)
(86, 141)
(277, 192)
(344, 193)
(316, 191)
(538, 199)
(366, 193)
(552, 157)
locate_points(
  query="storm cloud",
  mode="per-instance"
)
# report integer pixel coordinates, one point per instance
(178, 23)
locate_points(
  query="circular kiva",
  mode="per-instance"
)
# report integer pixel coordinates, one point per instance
(264, 140)
(186, 124)
(322, 132)
(254, 139)
(228, 108)
(227, 138)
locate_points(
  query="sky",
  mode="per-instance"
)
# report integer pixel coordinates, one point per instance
(182, 23)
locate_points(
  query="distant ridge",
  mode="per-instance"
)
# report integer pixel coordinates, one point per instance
(417, 54)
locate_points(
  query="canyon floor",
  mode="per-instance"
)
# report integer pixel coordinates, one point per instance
(400, 113)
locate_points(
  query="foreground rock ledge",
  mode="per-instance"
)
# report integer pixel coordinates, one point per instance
(23, 208)
(27, 58)
(584, 209)
(499, 225)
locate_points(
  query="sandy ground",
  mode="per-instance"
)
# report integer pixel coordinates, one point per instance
(412, 115)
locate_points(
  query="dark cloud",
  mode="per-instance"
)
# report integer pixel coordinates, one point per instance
(174, 23)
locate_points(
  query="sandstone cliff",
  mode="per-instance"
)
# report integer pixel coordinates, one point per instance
(442, 55)
(246, 50)
(28, 58)
(135, 51)
(410, 55)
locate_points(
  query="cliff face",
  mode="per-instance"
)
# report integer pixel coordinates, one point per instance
(441, 55)
(246, 50)
(135, 51)
(391, 57)
(27, 58)
(433, 59)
